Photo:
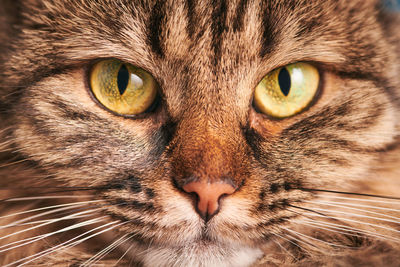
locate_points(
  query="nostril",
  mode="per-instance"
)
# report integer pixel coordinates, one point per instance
(208, 196)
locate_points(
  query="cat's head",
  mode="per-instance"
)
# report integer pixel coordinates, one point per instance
(205, 165)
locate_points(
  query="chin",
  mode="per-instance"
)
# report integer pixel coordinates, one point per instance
(199, 253)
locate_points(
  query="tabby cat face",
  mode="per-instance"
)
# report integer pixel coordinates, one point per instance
(207, 59)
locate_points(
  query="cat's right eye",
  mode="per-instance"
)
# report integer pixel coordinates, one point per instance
(123, 88)
(287, 91)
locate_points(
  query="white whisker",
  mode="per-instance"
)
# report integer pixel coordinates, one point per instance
(49, 207)
(347, 230)
(354, 205)
(288, 240)
(330, 228)
(315, 239)
(284, 250)
(40, 215)
(47, 223)
(66, 244)
(76, 242)
(45, 197)
(391, 202)
(123, 255)
(357, 215)
(98, 256)
(350, 208)
(40, 237)
(13, 163)
(304, 242)
(350, 220)
(48, 220)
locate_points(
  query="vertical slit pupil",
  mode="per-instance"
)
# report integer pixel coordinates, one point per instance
(122, 79)
(284, 81)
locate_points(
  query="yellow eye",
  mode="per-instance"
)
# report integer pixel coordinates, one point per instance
(122, 88)
(287, 91)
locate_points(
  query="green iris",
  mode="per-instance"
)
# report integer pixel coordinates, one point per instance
(287, 91)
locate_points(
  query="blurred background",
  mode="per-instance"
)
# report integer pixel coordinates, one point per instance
(393, 4)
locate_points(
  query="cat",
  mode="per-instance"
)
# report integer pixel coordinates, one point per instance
(265, 133)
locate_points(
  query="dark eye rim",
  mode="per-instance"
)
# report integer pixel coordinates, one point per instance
(316, 98)
(153, 108)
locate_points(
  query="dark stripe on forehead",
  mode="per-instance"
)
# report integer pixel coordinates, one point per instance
(157, 19)
(218, 27)
(240, 13)
(269, 33)
(191, 17)
(309, 24)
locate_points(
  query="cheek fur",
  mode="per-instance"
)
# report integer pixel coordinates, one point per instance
(75, 131)
(318, 188)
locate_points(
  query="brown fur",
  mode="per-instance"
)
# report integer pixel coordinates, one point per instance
(207, 57)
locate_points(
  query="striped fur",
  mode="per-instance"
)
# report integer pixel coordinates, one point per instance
(207, 57)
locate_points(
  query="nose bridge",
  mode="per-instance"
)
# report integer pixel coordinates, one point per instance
(208, 153)
(206, 164)
(203, 152)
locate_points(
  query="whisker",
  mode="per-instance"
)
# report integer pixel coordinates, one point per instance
(306, 209)
(330, 228)
(365, 200)
(11, 86)
(6, 142)
(40, 215)
(101, 254)
(23, 198)
(42, 197)
(292, 242)
(82, 240)
(59, 190)
(347, 193)
(44, 224)
(356, 205)
(354, 221)
(304, 242)
(12, 163)
(358, 215)
(333, 204)
(282, 247)
(49, 207)
(67, 244)
(348, 230)
(333, 225)
(146, 251)
(123, 255)
(316, 239)
(30, 240)
(61, 214)
(48, 220)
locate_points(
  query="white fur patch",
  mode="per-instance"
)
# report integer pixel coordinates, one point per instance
(201, 254)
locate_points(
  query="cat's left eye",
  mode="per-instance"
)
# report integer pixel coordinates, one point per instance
(287, 91)
(123, 88)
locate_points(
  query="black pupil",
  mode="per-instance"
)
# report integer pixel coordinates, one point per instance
(122, 79)
(284, 81)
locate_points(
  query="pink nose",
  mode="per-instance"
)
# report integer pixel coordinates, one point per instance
(208, 196)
